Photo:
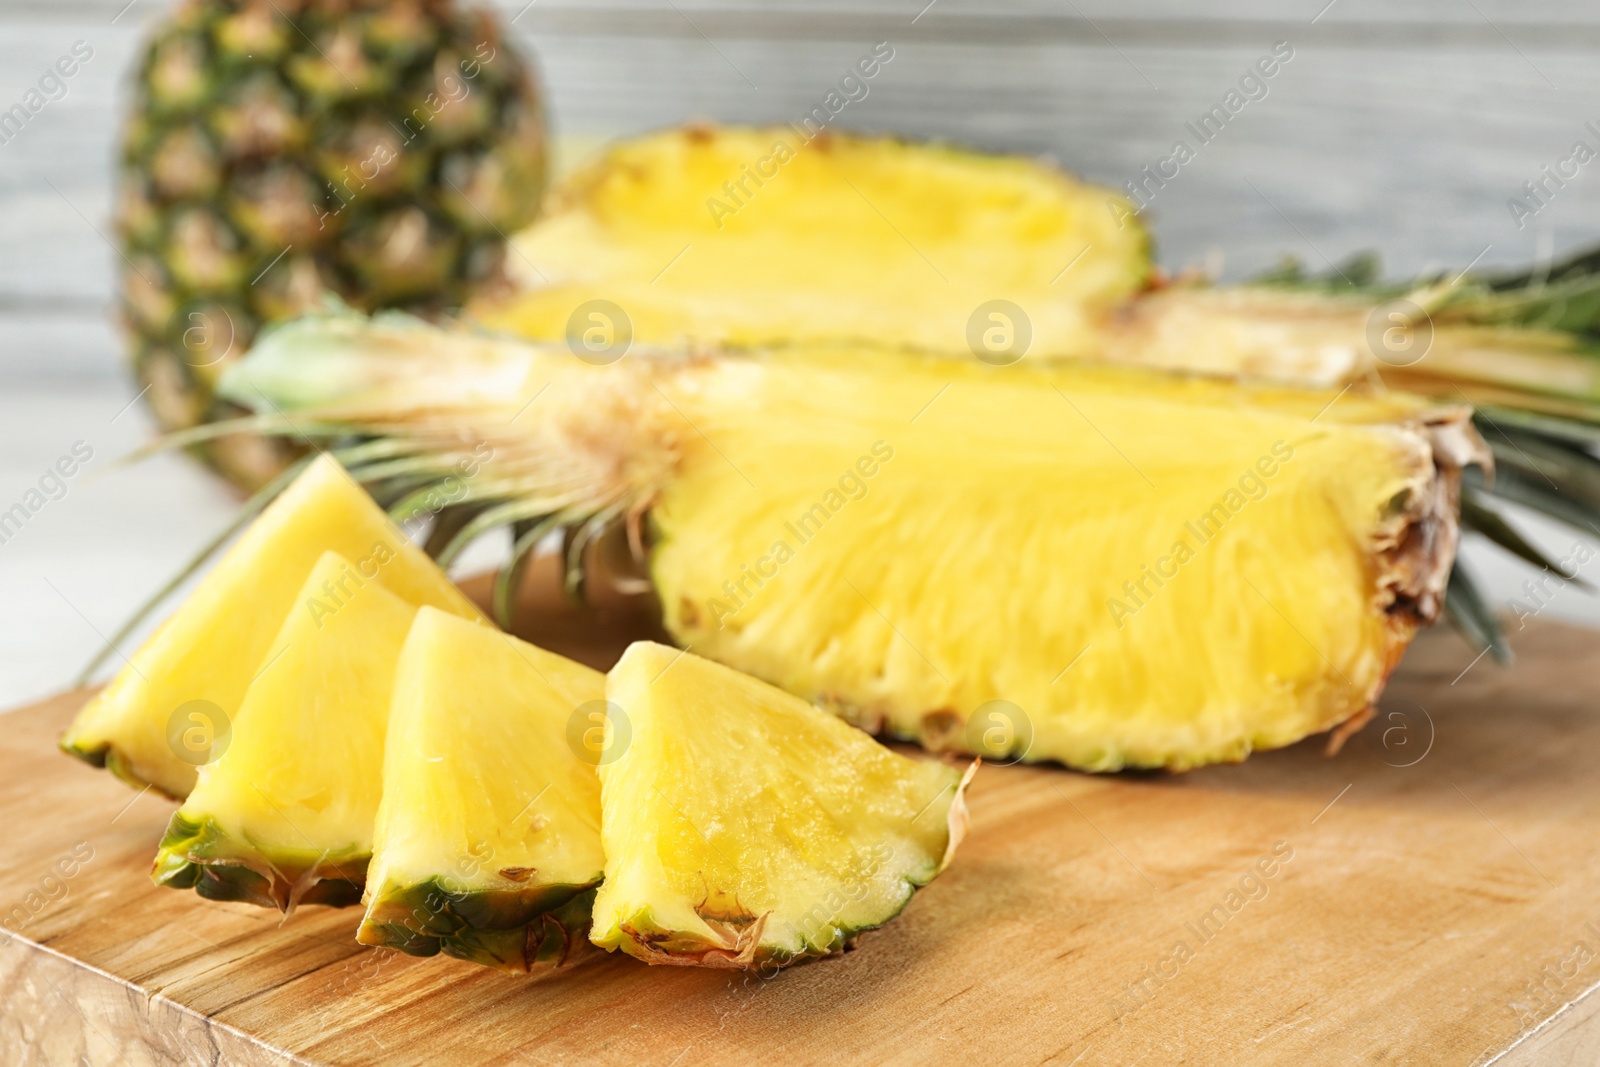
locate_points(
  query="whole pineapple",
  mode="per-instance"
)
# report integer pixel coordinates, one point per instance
(282, 150)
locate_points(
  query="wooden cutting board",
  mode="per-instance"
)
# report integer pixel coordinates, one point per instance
(1431, 896)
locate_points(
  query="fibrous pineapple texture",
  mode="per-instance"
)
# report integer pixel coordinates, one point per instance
(487, 844)
(1152, 571)
(761, 236)
(745, 828)
(207, 654)
(278, 151)
(284, 816)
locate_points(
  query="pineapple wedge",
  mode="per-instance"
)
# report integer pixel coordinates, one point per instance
(487, 844)
(285, 815)
(745, 828)
(211, 649)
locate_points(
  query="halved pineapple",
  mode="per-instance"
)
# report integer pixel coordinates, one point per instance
(285, 815)
(1148, 570)
(487, 844)
(751, 236)
(211, 649)
(745, 828)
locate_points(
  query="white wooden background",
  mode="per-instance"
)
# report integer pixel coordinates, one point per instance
(1401, 126)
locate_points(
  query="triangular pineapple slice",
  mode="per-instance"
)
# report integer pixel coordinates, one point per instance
(216, 642)
(487, 844)
(285, 814)
(744, 827)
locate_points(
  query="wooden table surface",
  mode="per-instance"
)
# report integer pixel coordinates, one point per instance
(1410, 919)
(1429, 896)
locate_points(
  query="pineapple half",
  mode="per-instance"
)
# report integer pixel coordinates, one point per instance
(487, 844)
(847, 238)
(905, 244)
(1148, 571)
(285, 815)
(745, 828)
(203, 659)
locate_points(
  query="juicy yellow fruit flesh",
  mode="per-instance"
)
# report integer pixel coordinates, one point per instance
(482, 791)
(744, 827)
(1148, 571)
(295, 794)
(849, 239)
(212, 647)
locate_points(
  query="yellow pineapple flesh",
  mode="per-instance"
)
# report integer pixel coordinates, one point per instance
(487, 844)
(745, 828)
(284, 816)
(202, 659)
(849, 238)
(1140, 571)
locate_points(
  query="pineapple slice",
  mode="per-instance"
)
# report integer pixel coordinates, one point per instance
(745, 828)
(488, 838)
(751, 236)
(213, 646)
(285, 815)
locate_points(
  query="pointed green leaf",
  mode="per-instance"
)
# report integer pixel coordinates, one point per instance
(1491, 524)
(1471, 614)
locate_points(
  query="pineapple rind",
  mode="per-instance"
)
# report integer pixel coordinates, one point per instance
(640, 933)
(508, 930)
(199, 855)
(105, 756)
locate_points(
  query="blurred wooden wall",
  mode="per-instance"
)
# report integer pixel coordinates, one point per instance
(1402, 126)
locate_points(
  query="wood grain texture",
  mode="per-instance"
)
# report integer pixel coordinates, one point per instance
(1443, 867)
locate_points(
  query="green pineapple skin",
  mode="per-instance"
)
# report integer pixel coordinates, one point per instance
(510, 930)
(199, 855)
(279, 152)
(107, 758)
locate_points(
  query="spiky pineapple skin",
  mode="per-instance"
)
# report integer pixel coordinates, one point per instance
(197, 854)
(508, 930)
(282, 150)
